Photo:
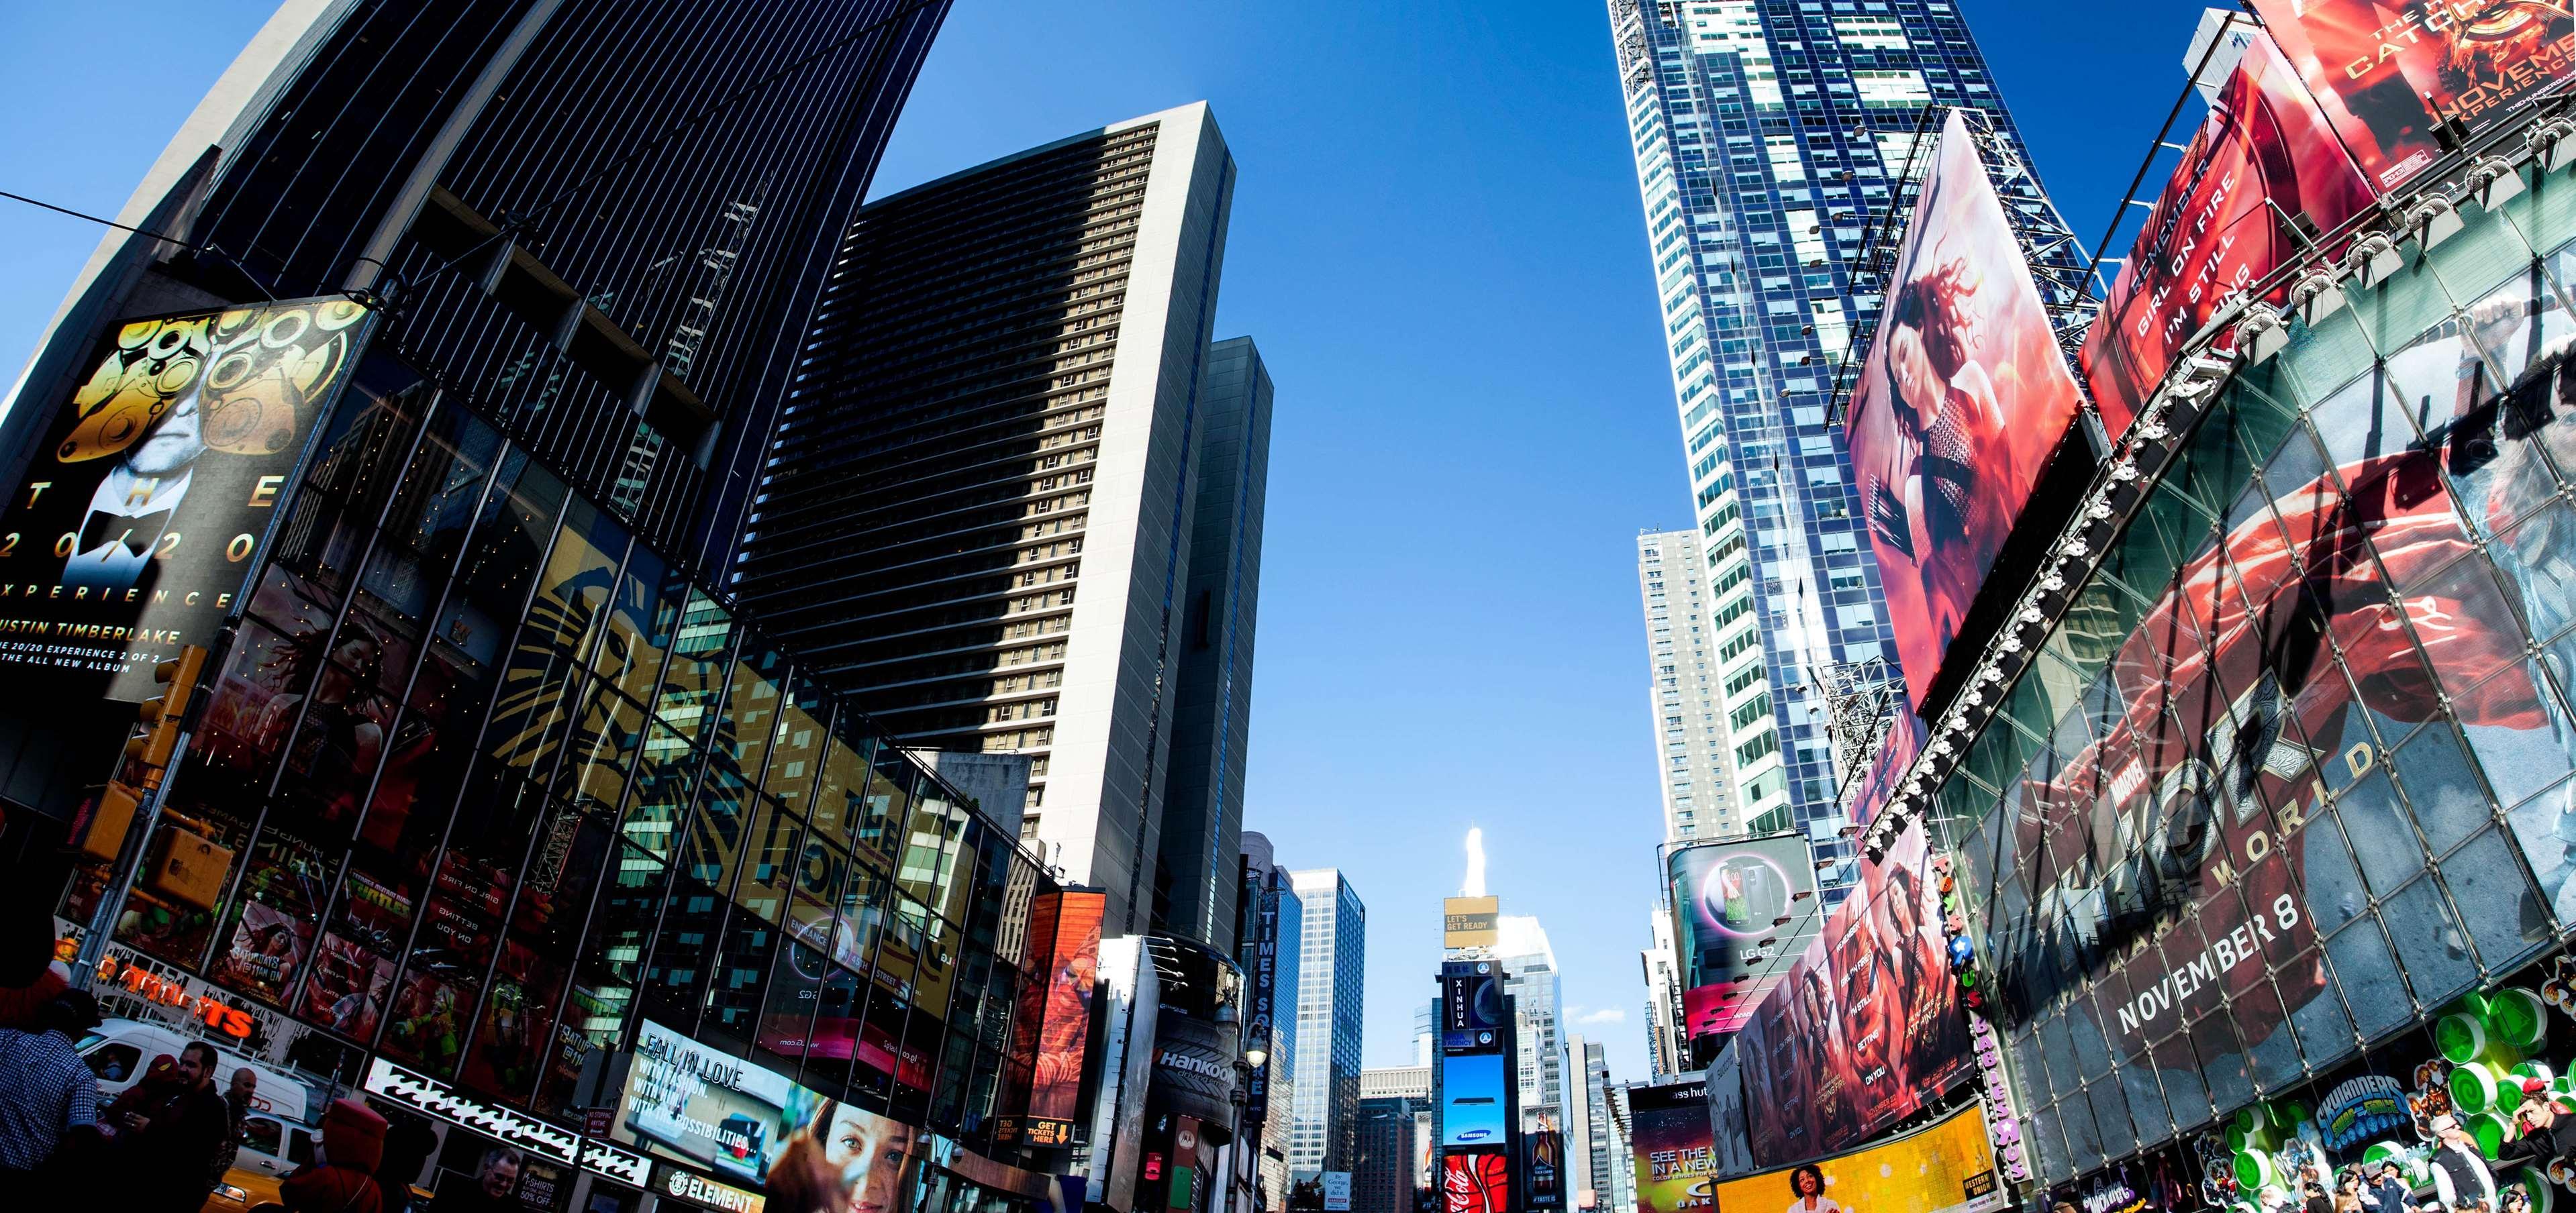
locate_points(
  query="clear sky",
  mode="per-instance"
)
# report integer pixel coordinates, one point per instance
(1436, 241)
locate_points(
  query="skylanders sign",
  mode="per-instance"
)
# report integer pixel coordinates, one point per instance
(2362, 1108)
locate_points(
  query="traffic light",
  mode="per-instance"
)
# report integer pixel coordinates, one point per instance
(163, 715)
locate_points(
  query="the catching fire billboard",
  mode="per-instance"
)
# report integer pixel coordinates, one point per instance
(135, 527)
(1866, 1028)
(1959, 405)
(2390, 73)
(1728, 898)
(2262, 161)
(1944, 1168)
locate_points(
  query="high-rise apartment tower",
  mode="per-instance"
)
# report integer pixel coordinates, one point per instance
(1692, 752)
(1013, 503)
(1330, 968)
(1769, 136)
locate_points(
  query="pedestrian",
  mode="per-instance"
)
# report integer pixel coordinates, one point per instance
(408, 1144)
(342, 1178)
(2347, 1196)
(48, 1102)
(2388, 1191)
(495, 1183)
(2457, 1156)
(30, 977)
(237, 1106)
(2318, 1201)
(173, 1143)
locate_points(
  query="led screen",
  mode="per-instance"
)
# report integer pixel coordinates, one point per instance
(1947, 1168)
(1477, 1182)
(1669, 1135)
(1727, 901)
(132, 533)
(2390, 73)
(749, 1124)
(1961, 401)
(1471, 1099)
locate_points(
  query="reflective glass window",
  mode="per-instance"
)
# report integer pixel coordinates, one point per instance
(2505, 917)
(2429, 942)
(2382, 838)
(2367, 973)
(693, 679)
(2545, 828)
(2441, 786)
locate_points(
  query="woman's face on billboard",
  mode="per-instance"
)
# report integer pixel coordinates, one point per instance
(871, 1154)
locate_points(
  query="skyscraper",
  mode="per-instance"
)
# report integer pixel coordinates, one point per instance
(1330, 969)
(1531, 980)
(983, 504)
(1608, 1171)
(1691, 746)
(1194, 889)
(1666, 1049)
(1769, 137)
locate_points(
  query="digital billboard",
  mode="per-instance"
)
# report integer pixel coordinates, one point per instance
(1054, 1020)
(1543, 1150)
(750, 1124)
(1478, 1181)
(1470, 922)
(1471, 1099)
(1946, 1167)
(2390, 73)
(2262, 160)
(1866, 1027)
(1727, 898)
(1471, 1006)
(1668, 1133)
(132, 532)
(1960, 403)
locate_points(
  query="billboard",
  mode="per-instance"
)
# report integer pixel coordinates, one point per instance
(751, 1125)
(135, 528)
(1959, 405)
(1470, 922)
(1053, 1021)
(2389, 73)
(1943, 1168)
(1668, 1134)
(1478, 1181)
(1887, 765)
(1543, 1176)
(2262, 159)
(1866, 1027)
(1727, 898)
(1471, 1006)
(1471, 1099)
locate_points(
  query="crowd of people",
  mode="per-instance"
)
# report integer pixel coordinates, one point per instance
(165, 1143)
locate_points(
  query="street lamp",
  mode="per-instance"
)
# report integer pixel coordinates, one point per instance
(1256, 1054)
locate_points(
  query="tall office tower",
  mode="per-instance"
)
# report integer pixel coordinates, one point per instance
(596, 220)
(1768, 139)
(1422, 1035)
(1330, 967)
(1666, 1049)
(980, 508)
(1610, 1171)
(1274, 925)
(1409, 1086)
(1692, 749)
(1389, 1166)
(1194, 871)
(1534, 984)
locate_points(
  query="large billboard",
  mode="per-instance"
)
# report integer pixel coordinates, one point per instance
(752, 1125)
(1478, 1181)
(1943, 1168)
(1669, 1135)
(2390, 73)
(1727, 899)
(1866, 1029)
(2262, 160)
(1960, 403)
(1470, 922)
(1053, 1022)
(135, 528)
(1471, 1006)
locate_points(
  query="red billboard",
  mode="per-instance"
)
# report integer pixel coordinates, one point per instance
(2388, 73)
(1866, 1029)
(1477, 1182)
(1962, 400)
(2263, 158)
(1070, 975)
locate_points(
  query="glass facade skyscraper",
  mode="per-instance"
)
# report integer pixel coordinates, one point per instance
(1330, 966)
(1769, 137)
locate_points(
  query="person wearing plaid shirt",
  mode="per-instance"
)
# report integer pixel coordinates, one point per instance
(47, 1094)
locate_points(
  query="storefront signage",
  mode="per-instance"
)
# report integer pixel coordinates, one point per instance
(1265, 989)
(699, 1190)
(2362, 1108)
(1194, 1067)
(422, 1093)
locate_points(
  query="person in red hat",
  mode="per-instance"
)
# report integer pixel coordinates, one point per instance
(341, 1178)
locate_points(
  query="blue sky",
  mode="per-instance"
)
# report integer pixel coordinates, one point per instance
(1436, 241)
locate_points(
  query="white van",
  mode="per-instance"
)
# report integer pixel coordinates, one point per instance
(284, 1122)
